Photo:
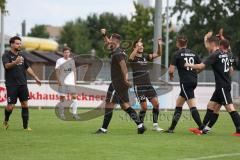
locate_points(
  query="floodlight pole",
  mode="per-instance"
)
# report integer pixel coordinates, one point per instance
(2, 47)
(157, 34)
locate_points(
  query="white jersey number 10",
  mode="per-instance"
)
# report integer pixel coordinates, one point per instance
(189, 60)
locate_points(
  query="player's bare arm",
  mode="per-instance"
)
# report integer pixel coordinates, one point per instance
(105, 37)
(58, 76)
(231, 70)
(159, 51)
(198, 67)
(18, 60)
(134, 52)
(171, 72)
(124, 71)
(32, 74)
(208, 35)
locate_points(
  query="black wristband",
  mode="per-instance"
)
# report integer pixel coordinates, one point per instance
(104, 35)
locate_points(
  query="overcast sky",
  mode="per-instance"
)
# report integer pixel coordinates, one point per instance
(57, 12)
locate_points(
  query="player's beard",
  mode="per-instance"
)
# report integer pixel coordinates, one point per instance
(18, 49)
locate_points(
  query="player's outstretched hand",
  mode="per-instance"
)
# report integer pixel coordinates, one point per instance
(103, 31)
(209, 34)
(160, 42)
(38, 81)
(171, 77)
(187, 65)
(19, 60)
(128, 84)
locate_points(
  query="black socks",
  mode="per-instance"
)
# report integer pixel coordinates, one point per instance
(7, 114)
(196, 117)
(133, 114)
(176, 117)
(107, 117)
(155, 112)
(236, 120)
(25, 117)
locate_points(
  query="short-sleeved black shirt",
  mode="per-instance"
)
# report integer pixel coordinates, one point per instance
(182, 56)
(116, 56)
(220, 63)
(140, 70)
(17, 74)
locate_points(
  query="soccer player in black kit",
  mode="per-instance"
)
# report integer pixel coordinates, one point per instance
(212, 113)
(118, 90)
(188, 82)
(219, 61)
(16, 66)
(142, 84)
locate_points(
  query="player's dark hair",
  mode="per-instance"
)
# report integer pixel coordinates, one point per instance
(67, 49)
(116, 36)
(13, 39)
(182, 40)
(213, 39)
(225, 43)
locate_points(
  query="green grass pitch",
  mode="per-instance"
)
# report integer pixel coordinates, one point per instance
(53, 139)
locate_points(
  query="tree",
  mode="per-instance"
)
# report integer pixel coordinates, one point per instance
(206, 16)
(76, 36)
(39, 31)
(84, 35)
(2, 4)
(141, 26)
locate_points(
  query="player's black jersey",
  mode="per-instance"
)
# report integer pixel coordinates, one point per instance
(140, 70)
(220, 63)
(182, 56)
(17, 74)
(116, 56)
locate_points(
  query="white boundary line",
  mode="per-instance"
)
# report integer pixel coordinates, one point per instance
(213, 156)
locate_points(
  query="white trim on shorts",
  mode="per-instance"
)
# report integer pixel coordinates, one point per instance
(184, 92)
(224, 96)
(112, 96)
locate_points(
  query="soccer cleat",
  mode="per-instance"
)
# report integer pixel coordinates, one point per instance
(169, 131)
(157, 128)
(206, 130)
(195, 131)
(236, 134)
(5, 125)
(27, 129)
(142, 130)
(99, 131)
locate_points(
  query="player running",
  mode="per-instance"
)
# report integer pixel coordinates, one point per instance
(188, 82)
(118, 90)
(66, 78)
(141, 79)
(220, 64)
(16, 66)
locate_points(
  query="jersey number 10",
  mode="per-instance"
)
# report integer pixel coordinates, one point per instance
(189, 60)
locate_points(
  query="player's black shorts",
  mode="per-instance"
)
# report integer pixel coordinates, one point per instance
(17, 91)
(222, 96)
(144, 92)
(117, 93)
(187, 90)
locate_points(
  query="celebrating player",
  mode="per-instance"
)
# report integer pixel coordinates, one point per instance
(118, 90)
(16, 66)
(142, 83)
(66, 78)
(220, 64)
(188, 82)
(212, 114)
